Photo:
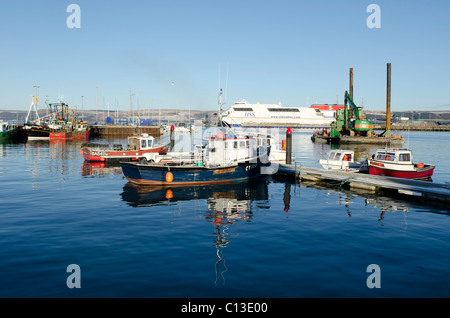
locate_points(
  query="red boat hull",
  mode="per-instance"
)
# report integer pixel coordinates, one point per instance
(72, 135)
(105, 155)
(420, 173)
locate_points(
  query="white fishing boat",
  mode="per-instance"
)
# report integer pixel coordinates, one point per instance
(273, 115)
(343, 160)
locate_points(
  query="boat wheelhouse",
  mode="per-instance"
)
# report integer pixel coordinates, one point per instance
(395, 162)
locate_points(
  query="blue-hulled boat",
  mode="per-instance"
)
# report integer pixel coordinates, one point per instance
(226, 158)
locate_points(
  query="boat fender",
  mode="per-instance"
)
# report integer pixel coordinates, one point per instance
(169, 177)
(420, 165)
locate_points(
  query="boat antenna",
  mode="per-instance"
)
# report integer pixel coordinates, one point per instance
(219, 114)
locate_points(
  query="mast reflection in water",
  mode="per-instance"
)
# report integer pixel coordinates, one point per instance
(227, 204)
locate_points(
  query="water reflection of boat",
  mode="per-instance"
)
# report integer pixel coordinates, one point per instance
(249, 190)
(99, 168)
(227, 204)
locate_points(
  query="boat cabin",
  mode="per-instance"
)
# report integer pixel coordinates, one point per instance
(339, 160)
(224, 149)
(142, 142)
(399, 156)
(341, 155)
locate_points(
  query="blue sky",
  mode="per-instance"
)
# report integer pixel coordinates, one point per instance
(289, 51)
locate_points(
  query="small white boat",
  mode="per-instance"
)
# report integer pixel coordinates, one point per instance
(343, 160)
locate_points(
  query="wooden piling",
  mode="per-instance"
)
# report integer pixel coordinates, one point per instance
(348, 113)
(388, 98)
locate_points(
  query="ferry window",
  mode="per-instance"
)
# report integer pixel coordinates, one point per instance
(235, 144)
(243, 109)
(143, 143)
(283, 110)
(247, 143)
(242, 144)
(404, 157)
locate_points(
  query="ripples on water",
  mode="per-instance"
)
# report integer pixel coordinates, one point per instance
(263, 238)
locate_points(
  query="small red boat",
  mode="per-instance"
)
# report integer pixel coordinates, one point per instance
(137, 147)
(398, 163)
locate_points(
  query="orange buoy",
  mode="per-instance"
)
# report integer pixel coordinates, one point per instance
(169, 176)
(420, 165)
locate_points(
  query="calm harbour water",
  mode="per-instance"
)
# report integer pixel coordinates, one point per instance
(263, 238)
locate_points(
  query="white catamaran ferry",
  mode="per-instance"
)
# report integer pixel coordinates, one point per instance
(274, 115)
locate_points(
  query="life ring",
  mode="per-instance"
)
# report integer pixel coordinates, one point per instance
(169, 177)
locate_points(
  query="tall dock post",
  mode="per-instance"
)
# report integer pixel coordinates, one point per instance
(172, 137)
(288, 145)
(388, 100)
(351, 83)
(348, 113)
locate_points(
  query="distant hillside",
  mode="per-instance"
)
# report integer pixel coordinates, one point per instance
(429, 116)
(182, 116)
(100, 116)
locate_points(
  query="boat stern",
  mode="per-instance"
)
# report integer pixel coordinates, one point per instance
(131, 171)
